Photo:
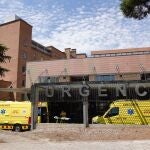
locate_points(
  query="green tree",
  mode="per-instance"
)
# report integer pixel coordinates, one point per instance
(137, 9)
(3, 59)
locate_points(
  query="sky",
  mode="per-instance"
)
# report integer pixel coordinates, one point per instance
(84, 25)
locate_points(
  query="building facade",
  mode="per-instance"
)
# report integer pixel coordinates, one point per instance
(108, 65)
(16, 35)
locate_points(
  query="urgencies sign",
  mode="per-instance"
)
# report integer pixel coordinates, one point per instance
(84, 90)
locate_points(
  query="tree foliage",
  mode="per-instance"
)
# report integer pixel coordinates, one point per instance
(3, 59)
(137, 9)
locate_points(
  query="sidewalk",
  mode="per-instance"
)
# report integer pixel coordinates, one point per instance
(117, 145)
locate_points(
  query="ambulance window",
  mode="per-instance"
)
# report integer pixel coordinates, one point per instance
(113, 112)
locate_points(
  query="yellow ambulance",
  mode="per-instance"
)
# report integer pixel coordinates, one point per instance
(126, 112)
(17, 115)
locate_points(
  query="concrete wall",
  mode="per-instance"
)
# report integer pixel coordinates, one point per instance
(129, 67)
(132, 76)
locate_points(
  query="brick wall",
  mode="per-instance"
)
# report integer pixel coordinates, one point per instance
(5, 95)
(56, 54)
(9, 36)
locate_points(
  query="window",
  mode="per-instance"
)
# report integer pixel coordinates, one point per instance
(79, 78)
(129, 53)
(108, 55)
(103, 55)
(105, 77)
(118, 54)
(113, 54)
(113, 112)
(145, 76)
(25, 43)
(136, 53)
(123, 54)
(23, 69)
(96, 55)
(34, 56)
(24, 55)
(146, 52)
(47, 79)
(23, 83)
(64, 77)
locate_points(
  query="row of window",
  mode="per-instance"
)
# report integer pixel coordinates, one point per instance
(48, 79)
(145, 76)
(122, 54)
(40, 47)
(25, 56)
(105, 77)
